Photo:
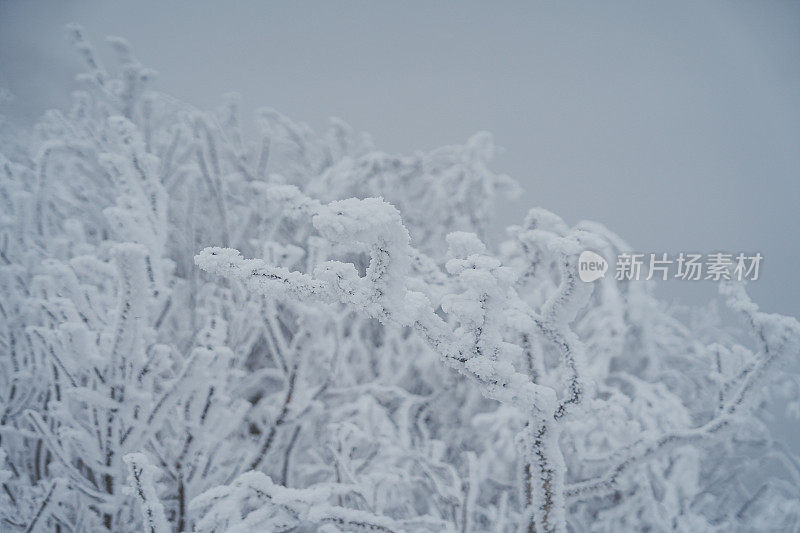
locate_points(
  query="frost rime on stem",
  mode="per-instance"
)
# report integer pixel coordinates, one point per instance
(476, 348)
(142, 481)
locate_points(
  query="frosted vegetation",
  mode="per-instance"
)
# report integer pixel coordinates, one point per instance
(203, 329)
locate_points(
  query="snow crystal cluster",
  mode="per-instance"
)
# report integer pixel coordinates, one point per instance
(202, 330)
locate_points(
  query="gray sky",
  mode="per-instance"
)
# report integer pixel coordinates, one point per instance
(675, 124)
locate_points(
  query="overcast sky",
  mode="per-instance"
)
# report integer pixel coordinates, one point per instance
(677, 125)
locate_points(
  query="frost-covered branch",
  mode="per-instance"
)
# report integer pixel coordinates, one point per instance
(142, 480)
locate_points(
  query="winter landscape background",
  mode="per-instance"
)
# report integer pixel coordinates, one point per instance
(307, 391)
(677, 124)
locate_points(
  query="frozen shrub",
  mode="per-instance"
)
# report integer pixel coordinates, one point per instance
(204, 331)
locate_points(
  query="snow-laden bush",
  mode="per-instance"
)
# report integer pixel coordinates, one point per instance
(313, 388)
